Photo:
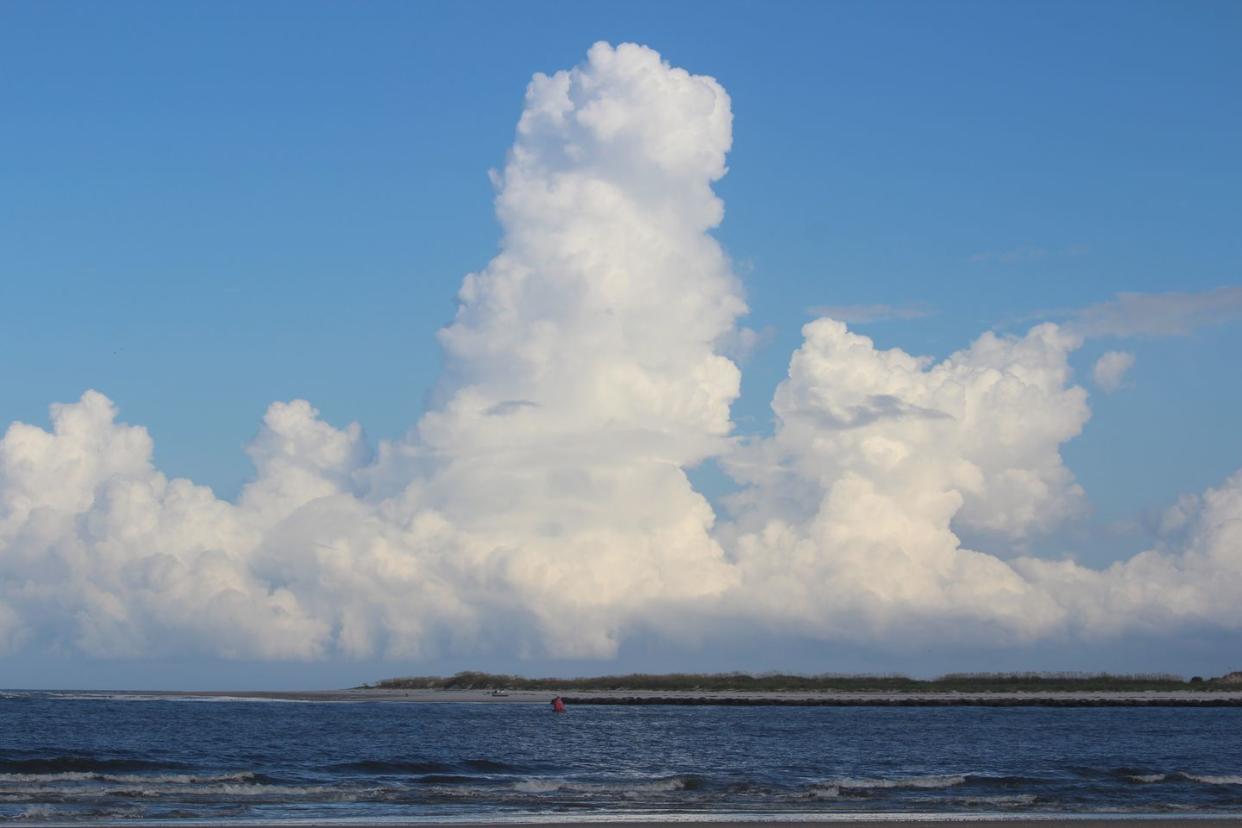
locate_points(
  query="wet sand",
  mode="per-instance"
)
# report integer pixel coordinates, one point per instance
(1212, 698)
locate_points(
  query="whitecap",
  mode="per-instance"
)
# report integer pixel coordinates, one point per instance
(1148, 778)
(940, 781)
(1228, 779)
(541, 786)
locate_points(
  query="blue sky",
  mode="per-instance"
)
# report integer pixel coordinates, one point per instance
(206, 207)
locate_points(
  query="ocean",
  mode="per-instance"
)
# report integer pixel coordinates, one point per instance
(124, 759)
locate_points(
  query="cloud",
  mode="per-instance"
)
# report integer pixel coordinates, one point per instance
(604, 308)
(1191, 578)
(741, 343)
(103, 554)
(862, 314)
(850, 520)
(1110, 370)
(1158, 314)
(542, 506)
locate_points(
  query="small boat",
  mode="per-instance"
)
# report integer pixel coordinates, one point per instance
(500, 692)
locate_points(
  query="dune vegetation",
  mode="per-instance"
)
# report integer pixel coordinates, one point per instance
(789, 682)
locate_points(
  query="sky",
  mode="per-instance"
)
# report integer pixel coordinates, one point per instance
(566, 338)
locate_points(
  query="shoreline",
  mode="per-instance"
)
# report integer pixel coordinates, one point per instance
(732, 821)
(723, 698)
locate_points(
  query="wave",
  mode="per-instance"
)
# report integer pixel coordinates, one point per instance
(445, 779)
(411, 767)
(69, 776)
(934, 781)
(37, 812)
(631, 788)
(44, 813)
(490, 765)
(391, 766)
(1228, 779)
(82, 764)
(226, 790)
(1003, 780)
(1181, 776)
(148, 779)
(1147, 778)
(1013, 801)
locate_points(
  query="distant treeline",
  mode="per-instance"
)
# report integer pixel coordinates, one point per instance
(775, 682)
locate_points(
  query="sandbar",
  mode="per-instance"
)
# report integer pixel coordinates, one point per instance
(1147, 698)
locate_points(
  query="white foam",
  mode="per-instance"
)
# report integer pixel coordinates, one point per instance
(540, 786)
(177, 778)
(55, 781)
(37, 812)
(1148, 778)
(853, 783)
(68, 776)
(139, 790)
(1229, 779)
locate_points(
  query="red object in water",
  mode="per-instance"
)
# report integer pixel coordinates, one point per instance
(558, 705)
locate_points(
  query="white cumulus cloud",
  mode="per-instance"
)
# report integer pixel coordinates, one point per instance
(851, 506)
(542, 505)
(1193, 577)
(104, 554)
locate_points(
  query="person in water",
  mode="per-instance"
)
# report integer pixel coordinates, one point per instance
(558, 705)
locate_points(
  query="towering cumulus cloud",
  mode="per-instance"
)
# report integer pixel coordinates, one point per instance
(544, 500)
(541, 505)
(582, 372)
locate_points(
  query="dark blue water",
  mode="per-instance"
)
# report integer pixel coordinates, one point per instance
(98, 759)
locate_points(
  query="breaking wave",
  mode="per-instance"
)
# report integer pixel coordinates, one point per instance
(107, 762)
(1147, 778)
(1180, 776)
(1014, 801)
(149, 779)
(933, 781)
(1229, 779)
(652, 786)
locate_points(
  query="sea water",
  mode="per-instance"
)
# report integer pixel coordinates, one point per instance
(123, 759)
